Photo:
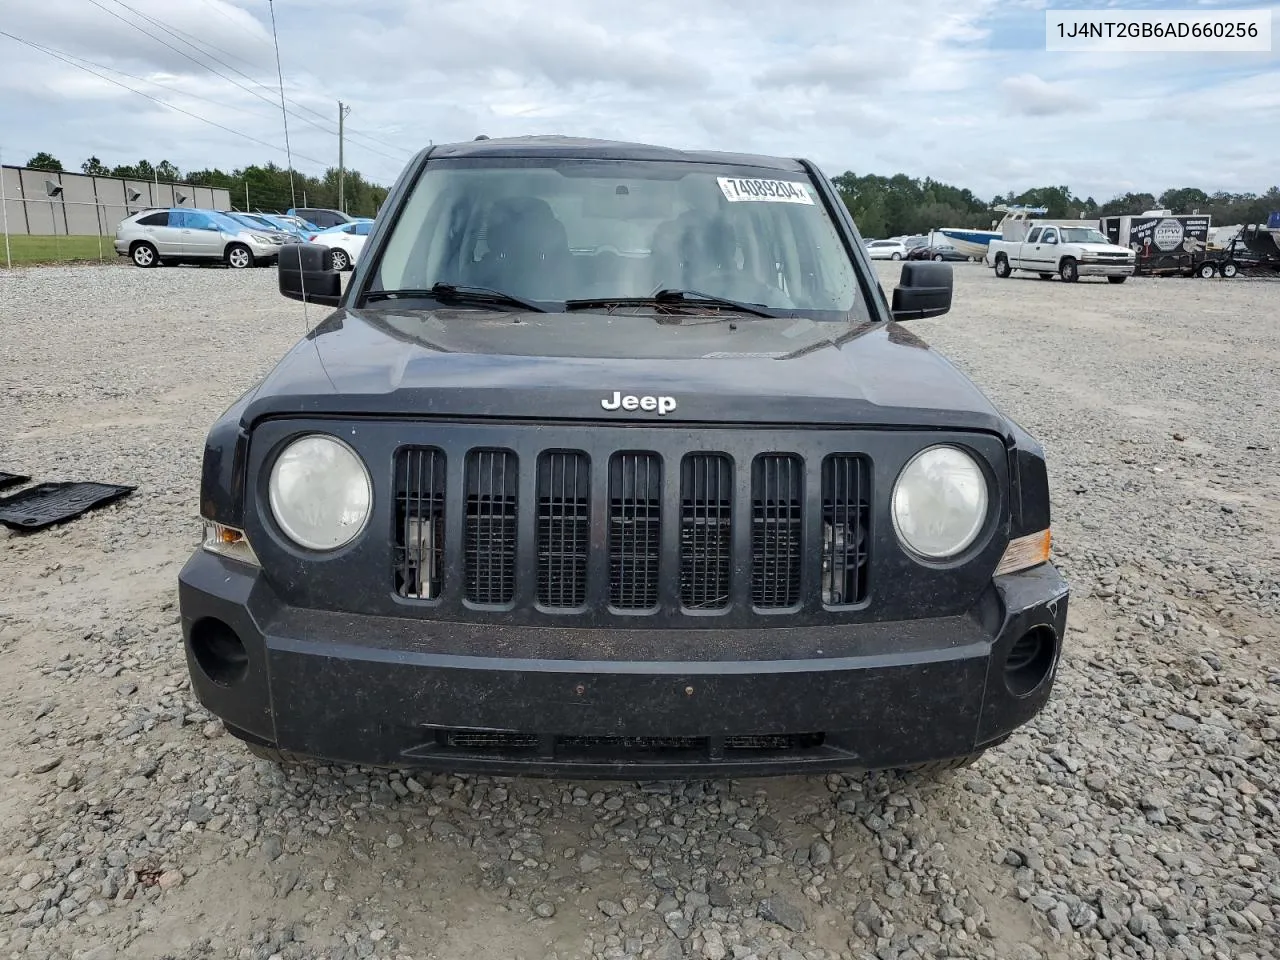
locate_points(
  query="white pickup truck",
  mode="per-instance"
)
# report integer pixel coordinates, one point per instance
(1071, 252)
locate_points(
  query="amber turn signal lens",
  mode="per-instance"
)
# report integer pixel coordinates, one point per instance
(1025, 553)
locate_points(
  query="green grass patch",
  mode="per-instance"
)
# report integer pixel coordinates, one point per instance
(27, 250)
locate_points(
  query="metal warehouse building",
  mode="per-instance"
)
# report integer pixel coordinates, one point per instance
(43, 204)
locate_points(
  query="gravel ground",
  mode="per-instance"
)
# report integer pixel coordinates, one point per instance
(1137, 817)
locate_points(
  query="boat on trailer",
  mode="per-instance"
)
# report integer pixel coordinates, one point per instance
(973, 243)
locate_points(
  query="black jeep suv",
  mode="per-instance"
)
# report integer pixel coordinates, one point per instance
(616, 460)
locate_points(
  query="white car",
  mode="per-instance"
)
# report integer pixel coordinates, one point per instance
(886, 249)
(345, 241)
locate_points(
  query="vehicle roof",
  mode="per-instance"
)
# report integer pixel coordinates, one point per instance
(590, 149)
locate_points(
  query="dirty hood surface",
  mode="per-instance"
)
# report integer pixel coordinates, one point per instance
(725, 369)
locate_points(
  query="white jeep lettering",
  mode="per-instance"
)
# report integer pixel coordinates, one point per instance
(621, 401)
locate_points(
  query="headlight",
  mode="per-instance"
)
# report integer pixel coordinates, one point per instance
(320, 492)
(259, 238)
(939, 502)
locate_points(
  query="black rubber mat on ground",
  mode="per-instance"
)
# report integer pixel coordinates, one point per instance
(10, 479)
(47, 504)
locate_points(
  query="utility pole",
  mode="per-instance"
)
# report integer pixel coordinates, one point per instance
(343, 110)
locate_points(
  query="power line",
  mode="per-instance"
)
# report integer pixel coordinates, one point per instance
(202, 64)
(163, 103)
(276, 40)
(164, 86)
(183, 37)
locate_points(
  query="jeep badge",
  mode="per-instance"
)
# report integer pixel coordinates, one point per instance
(663, 405)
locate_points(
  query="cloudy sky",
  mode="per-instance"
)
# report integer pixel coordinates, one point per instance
(960, 90)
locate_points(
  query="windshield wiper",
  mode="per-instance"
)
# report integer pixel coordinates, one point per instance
(666, 296)
(446, 292)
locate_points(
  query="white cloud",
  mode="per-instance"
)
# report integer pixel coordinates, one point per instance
(1030, 95)
(961, 90)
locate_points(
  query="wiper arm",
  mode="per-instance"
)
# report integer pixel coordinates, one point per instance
(446, 292)
(665, 297)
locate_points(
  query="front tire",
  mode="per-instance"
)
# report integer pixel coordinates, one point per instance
(1002, 266)
(339, 260)
(937, 257)
(1069, 272)
(896, 256)
(239, 257)
(1206, 271)
(144, 255)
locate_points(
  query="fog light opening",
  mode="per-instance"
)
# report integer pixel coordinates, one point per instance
(219, 652)
(1030, 660)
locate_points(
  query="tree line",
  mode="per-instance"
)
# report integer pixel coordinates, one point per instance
(266, 187)
(902, 205)
(882, 206)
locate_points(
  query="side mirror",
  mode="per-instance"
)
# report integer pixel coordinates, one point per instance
(306, 273)
(923, 290)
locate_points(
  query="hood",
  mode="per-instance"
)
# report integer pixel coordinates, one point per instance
(1103, 248)
(582, 366)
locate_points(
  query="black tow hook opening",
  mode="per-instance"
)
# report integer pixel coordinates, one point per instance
(1030, 660)
(219, 651)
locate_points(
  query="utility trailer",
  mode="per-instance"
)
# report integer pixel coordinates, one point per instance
(1253, 252)
(1165, 244)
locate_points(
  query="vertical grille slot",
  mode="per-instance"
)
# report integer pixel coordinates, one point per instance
(845, 519)
(706, 502)
(564, 486)
(777, 500)
(489, 539)
(419, 535)
(635, 528)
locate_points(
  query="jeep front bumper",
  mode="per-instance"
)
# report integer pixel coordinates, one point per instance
(413, 692)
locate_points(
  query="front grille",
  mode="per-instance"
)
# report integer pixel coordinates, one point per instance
(846, 512)
(633, 531)
(564, 522)
(489, 547)
(706, 508)
(420, 505)
(777, 498)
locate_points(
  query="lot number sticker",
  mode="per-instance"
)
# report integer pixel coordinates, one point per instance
(739, 189)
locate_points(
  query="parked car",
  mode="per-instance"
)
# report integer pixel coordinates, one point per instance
(886, 250)
(184, 235)
(936, 251)
(344, 241)
(260, 224)
(322, 217)
(1071, 252)
(522, 503)
(297, 225)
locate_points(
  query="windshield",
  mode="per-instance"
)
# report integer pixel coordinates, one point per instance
(1082, 235)
(552, 230)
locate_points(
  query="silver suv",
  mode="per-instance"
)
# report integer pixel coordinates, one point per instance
(183, 235)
